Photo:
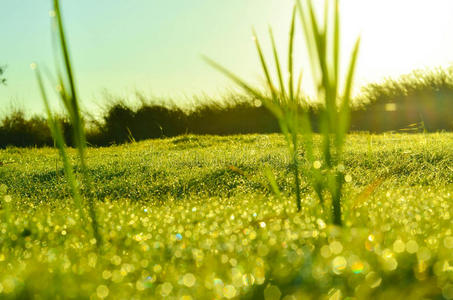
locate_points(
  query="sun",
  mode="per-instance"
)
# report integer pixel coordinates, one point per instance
(398, 36)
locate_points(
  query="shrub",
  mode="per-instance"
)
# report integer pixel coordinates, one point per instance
(17, 130)
(422, 99)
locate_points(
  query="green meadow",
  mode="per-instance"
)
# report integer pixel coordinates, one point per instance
(194, 217)
(273, 194)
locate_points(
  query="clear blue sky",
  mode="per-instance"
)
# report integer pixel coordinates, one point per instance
(155, 46)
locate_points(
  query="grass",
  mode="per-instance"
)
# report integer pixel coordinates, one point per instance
(67, 93)
(325, 171)
(210, 217)
(201, 221)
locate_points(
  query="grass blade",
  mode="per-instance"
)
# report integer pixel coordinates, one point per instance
(344, 117)
(59, 142)
(299, 86)
(234, 78)
(336, 47)
(272, 182)
(290, 56)
(309, 38)
(68, 71)
(277, 64)
(264, 66)
(68, 95)
(273, 107)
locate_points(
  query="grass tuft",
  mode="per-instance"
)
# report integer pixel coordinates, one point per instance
(325, 173)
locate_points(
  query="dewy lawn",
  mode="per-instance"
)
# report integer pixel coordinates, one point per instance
(194, 217)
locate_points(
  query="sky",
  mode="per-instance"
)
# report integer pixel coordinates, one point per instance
(155, 47)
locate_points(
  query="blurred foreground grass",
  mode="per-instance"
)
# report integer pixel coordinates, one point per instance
(193, 218)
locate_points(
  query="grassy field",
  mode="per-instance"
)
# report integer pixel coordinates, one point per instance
(193, 217)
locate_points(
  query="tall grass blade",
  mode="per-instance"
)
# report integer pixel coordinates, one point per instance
(344, 118)
(277, 64)
(72, 103)
(72, 99)
(265, 68)
(273, 107)
(323, 45)
(273, 182)
(68, 95)
(299, 86)
(291, 57)
(336, 39)
(310, 41)
(234, 78)
(61, 146)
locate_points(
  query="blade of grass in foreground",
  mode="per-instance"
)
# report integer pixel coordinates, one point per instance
(57, 135)
(68, 95)
(246, 87)
(323, 43)
(292, 31)
(265, 68)
(345, 106)
(285, 111)
(72, 101)
(277, 64)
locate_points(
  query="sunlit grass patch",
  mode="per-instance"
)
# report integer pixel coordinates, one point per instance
(167, 234)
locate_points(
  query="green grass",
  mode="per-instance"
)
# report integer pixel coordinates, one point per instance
(324, 173)
(195, 216)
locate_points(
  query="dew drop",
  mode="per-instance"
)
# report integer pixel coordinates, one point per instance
(339, 264)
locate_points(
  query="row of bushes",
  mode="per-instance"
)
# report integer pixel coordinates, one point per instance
(418, 101)
(122, 123)
(422, 99)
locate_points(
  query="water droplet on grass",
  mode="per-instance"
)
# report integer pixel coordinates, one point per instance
(229, 291)
(357, 267)
(448, 242)
(339, 264)
(189, 280)
(102, 291)
(317, 164)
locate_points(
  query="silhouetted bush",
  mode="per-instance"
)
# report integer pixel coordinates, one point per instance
(117, 122)
(156, 121)
(237, 115)
(2, 71)
(422, 100)
(16, 130)
(122, 124)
